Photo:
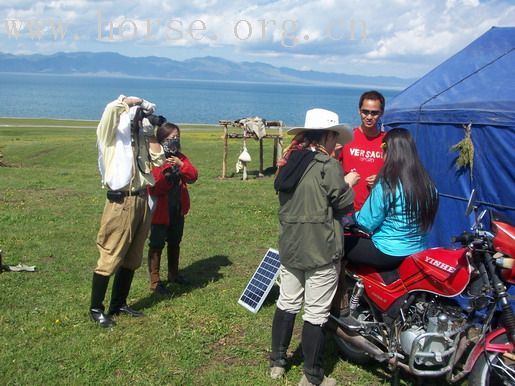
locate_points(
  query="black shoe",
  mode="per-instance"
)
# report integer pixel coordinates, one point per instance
(103, 320)
(162, 290)
(125, 309)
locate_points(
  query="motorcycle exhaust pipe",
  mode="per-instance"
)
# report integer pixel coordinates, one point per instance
(357, 341)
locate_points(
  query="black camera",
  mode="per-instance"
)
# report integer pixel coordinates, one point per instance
(172, 174)
(156, 120)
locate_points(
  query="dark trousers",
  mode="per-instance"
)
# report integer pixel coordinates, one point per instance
(361, 250)
(171, 234)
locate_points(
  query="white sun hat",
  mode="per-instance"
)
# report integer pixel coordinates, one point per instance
(321, 119)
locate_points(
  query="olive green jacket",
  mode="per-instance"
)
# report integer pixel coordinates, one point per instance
(311, 234)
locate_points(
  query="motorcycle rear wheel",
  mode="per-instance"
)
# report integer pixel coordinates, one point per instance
(492, 369)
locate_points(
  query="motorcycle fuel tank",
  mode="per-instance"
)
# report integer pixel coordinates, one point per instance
(504, 240)
(441, 271)
(504, 243)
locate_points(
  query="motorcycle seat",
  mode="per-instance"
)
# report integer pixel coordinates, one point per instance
(386, 276)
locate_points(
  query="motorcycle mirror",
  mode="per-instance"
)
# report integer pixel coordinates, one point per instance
(470, 204)
(481, 215)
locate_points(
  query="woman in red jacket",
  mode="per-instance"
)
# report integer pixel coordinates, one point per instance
(172, 201)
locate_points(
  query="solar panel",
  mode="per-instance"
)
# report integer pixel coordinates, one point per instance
(261, 282)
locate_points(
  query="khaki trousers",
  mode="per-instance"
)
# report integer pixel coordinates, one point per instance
(314, 288)
(123, 231)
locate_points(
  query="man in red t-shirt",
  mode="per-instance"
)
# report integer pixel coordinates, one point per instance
(364, 154)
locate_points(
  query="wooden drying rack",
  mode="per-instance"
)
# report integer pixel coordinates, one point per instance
(277, 149)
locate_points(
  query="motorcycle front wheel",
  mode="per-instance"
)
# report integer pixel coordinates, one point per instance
(493, 369)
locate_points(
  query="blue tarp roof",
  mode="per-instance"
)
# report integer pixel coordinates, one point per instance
(477, 86)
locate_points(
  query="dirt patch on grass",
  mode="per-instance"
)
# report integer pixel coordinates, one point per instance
(233, 339)
(39, 153)
(222, 350)
(48, 259)
(3, 162)
(58, 193)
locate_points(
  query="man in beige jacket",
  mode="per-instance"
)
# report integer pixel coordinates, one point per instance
(127, 151)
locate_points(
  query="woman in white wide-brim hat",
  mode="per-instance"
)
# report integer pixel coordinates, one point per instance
(313, 195)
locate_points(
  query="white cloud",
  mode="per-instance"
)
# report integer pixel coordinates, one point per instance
(450, 4)
(437, 32)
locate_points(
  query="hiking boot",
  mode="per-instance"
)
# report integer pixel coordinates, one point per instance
(277, 372)
(173, 253)
(97, 315)
(327, 381)
(120, 291)
(282, 330)
(154, 261)
(96, 309)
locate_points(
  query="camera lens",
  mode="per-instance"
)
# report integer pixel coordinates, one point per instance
(156, 120)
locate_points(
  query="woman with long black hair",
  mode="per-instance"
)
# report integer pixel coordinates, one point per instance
(400, 209)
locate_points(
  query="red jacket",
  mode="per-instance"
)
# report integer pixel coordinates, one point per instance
(161, 188)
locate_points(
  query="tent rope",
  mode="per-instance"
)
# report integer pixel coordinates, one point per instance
(486, 203)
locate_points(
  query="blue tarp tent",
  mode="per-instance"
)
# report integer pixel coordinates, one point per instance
(475, 86)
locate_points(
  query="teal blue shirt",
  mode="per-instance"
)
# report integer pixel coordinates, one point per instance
(392, 232)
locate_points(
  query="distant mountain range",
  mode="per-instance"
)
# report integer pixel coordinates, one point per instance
(205, 68)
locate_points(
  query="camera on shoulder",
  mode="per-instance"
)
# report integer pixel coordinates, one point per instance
(145, 121)
(156, 120)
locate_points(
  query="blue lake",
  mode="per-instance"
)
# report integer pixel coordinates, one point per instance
(181, 101)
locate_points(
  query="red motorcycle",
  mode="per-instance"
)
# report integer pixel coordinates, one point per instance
(442, 313)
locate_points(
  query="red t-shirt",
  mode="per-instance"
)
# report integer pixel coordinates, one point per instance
(365, 156)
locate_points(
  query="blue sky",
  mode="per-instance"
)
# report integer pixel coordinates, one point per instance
(403, 38)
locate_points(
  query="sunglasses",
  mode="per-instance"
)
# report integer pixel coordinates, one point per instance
(374, 113)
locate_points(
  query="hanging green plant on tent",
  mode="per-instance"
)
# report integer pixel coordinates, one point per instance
(465, 147)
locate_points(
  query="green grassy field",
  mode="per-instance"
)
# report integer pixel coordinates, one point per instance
(50, 207)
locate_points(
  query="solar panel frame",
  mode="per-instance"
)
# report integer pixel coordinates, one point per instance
(261, 282)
